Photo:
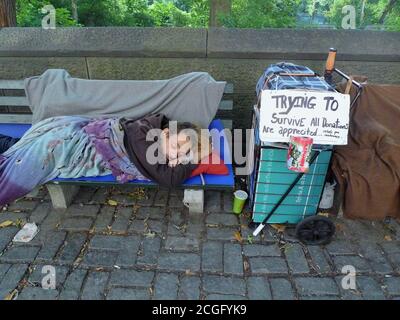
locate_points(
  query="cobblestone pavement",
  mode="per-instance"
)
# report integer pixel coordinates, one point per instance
(149, 247)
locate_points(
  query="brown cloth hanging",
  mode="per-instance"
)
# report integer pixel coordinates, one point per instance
(368, 168)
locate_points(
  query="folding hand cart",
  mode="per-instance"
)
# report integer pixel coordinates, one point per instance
(278, 195)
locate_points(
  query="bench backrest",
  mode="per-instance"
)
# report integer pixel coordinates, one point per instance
(14, 107)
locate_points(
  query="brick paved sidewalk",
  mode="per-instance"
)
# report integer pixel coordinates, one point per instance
(150, 247)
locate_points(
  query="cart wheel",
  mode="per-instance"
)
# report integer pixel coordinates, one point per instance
(315, 230)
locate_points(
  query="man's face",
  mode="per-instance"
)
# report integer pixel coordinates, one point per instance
(175, 145)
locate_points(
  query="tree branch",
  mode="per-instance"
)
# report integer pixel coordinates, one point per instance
(385, 12)
(8, 14)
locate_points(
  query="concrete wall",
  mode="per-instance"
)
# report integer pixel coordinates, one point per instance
(235, 55)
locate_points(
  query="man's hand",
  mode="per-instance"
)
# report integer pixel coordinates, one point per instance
(173, 163)
(198, 156)
(185, 159)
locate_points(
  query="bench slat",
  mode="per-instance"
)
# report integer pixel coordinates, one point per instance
(11, 84)
(14, 101)
(139, 184)
(19, 84)
(226, 105)
(227, 123)
(15, 118)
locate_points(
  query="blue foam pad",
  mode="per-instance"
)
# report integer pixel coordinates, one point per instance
(17, 131)
(14, 130)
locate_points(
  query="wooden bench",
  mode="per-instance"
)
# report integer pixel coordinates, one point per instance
(15, 119)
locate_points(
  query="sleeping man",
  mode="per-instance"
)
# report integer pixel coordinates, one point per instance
(149, 148)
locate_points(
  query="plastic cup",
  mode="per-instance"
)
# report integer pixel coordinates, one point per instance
(239, 198)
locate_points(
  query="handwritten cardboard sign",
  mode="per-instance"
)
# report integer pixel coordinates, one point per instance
(324, 116)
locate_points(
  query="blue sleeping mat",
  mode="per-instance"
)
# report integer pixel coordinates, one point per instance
(17, 130)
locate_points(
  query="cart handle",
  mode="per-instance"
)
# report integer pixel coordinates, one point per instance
(330, 69)
(330, 61)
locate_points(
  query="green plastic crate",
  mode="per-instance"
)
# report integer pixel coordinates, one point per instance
(271, 180)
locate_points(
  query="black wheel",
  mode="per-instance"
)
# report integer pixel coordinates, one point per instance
(315, 230)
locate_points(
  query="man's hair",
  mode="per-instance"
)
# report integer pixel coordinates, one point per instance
(199, 137)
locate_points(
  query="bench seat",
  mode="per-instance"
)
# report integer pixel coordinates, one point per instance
(210, 181)
(16, 119)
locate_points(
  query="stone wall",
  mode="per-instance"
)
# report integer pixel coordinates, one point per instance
(238, 56)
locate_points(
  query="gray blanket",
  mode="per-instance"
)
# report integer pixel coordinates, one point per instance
(190, 97)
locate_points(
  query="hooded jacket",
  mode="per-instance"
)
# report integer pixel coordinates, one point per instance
(136, 145)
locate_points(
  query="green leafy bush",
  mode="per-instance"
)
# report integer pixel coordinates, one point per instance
(29, 14)
(195, 13)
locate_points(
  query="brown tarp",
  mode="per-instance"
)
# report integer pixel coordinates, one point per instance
(368, 168)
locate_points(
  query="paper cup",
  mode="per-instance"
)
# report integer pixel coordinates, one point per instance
(239, 199)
